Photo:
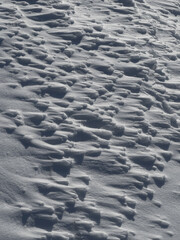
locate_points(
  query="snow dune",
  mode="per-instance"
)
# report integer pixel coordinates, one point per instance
(89, 118)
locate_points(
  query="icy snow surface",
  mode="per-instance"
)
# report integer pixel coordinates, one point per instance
(89, 119)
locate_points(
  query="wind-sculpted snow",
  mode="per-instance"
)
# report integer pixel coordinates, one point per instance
(89, 119)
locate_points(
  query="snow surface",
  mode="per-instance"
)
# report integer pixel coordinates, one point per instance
(89, 119)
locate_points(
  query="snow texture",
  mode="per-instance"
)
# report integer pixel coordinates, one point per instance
(89, 119)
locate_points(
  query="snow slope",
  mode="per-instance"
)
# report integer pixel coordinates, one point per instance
(89, 118)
